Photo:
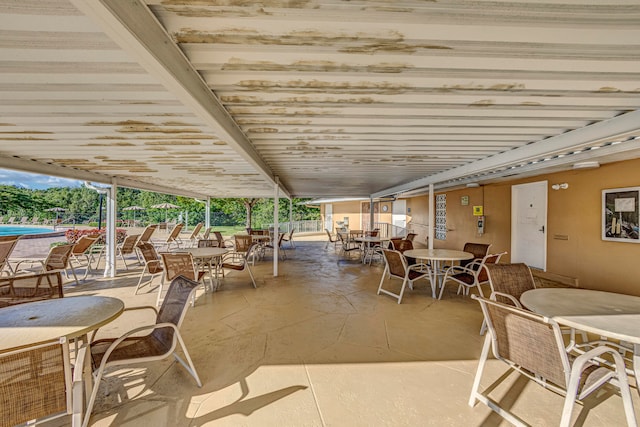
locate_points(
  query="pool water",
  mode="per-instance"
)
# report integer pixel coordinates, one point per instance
(8, 230)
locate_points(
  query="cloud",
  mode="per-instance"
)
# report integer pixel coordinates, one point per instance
(34, 181)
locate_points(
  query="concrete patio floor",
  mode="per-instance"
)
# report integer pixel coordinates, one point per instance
(316, 346)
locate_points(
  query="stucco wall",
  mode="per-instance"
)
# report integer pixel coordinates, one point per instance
(574, 213)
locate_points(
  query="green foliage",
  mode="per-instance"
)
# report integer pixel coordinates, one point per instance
(81, 205)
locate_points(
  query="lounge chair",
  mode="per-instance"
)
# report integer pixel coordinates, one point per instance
(193, 238)
(7, 245)
(56, 260)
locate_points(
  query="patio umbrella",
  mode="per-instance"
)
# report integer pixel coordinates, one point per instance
(134, 209)
(57, 210)
(166, 206)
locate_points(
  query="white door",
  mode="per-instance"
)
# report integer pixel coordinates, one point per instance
(328, 217)
(399, 217)
(529, 224)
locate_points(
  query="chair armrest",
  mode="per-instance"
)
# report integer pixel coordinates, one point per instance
(142, 307)
(127, 334)
(511, 298)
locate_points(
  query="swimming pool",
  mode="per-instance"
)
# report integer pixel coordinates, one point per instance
(8, 230)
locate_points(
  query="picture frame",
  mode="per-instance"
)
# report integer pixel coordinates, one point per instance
(621, 214)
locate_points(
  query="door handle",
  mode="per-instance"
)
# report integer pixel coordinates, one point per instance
(542, 229)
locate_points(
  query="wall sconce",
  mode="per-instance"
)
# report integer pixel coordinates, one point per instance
(562, 186)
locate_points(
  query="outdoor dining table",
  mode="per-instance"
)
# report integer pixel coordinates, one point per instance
(436, 256)
(209, 258)
(607, 314)
(39, 322)
(368, 245)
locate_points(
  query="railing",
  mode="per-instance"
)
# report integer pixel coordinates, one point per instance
(307, 226)
(390, 230)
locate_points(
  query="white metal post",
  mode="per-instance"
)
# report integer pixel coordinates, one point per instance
(276, 227)
(207, 213)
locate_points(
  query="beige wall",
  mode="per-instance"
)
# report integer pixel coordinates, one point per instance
(345, 209)
(575, 213)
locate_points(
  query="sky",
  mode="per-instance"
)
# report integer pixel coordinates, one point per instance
(34, 181)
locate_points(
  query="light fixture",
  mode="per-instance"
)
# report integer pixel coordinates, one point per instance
(562, 186)
(586, 165)
(473, 185)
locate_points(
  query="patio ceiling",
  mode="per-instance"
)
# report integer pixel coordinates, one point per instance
(326, 98)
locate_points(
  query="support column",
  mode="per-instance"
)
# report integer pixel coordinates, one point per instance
(371, 216)
(276, 227)
(112, 203)
(207, 213)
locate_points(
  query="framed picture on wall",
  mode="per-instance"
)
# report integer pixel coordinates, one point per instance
(621, 214)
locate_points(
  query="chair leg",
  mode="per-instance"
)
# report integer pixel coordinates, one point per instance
(476, 381)
(189, 365)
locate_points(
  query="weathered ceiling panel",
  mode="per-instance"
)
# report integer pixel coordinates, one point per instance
(335, 98)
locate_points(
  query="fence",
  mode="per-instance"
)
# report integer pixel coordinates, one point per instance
(307, 226)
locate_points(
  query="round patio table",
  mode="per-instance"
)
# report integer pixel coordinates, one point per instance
(209, 257)
(436, 256)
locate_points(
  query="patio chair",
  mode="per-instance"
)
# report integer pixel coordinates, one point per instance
(208, 243)
(509, 281)
(289, 239)
(332, 239)
(193, 238)
(242, 243)
(39, 383)
(281, 251)
(160, 342)
(396, 266)
(532, 345)
(474, 274)
(147, 233)
(174, 237)
(11, 220)
(410, 236)
(479, 251)
(347, 246)
(56, 260)
(81, 254)
(239, 261)
(206, 233)
(178, 264)
(222, 242)
(128, 247)
(152, 263)
(24, 220)
(7, 245)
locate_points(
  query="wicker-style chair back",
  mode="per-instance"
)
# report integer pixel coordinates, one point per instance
(195, 232)
(6, 248)
(219, 238)
(510, 279)
(178, 264)
(527, 340)
(36, 383)
(58, 258)
(150, 257)
(242, 242)
(402, 245)
(208, 243)
(533, 346)
(396, 262)
(84, 243)
(206, 233)
(128, 245)
(147, 233)
(479, 251)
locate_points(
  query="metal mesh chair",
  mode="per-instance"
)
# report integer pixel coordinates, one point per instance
(152, 263)
(533, 346)
(239, 261)
(472, 275)
(160, 343)
(128, 247)
(396, 266)
(178, 264)
(7, 244)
